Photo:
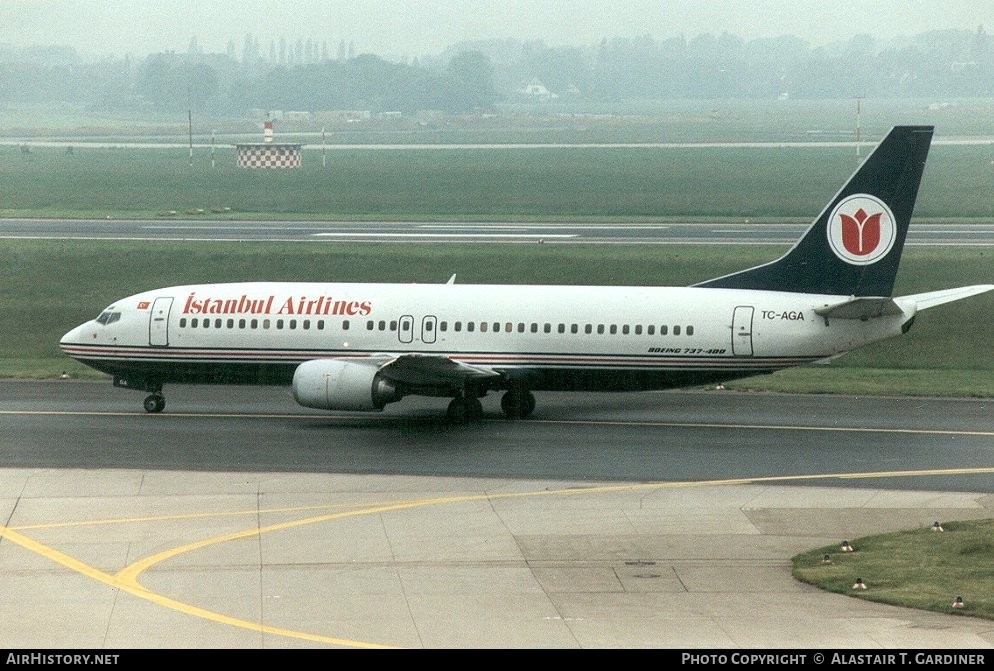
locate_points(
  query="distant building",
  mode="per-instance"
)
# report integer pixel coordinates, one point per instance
(297, 116)
(342, 116)
(536, 90)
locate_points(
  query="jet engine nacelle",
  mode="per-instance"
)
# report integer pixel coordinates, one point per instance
(331, 384)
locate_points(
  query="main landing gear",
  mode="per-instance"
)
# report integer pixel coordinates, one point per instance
(515, 403)
(462, 409)
(155, 402)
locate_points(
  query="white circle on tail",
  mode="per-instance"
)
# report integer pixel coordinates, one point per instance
(861, 229)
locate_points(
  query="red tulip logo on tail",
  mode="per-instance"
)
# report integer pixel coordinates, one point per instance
(861, 229)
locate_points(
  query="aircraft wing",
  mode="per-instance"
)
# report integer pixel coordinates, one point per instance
(429, 369)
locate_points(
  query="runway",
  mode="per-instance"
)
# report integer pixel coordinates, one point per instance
(664, 233)
(236, 519)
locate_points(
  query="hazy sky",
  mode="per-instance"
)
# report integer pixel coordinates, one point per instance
(396, 28)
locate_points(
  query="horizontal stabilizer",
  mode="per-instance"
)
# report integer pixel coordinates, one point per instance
(933, 298)
(861, 308)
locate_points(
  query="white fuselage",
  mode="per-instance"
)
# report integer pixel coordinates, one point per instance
(557, 337)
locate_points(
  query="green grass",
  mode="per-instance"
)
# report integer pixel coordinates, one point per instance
(919, 568)
(568, 183)
(840, 379)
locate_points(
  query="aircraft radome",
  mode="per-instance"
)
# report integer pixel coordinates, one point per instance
(359, 347)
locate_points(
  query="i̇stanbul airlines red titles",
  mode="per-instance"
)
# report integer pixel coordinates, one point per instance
(361, 346)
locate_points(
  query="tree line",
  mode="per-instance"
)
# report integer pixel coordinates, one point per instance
(478, 76)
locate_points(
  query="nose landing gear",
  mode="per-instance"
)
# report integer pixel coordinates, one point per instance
(154, 402)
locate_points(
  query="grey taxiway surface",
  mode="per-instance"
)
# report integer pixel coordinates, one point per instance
(236, 519)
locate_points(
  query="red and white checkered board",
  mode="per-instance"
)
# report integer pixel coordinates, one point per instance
(269, 157)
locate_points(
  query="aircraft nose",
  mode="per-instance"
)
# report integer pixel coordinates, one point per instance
(74, 336)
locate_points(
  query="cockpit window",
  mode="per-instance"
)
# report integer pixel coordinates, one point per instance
(108, 317)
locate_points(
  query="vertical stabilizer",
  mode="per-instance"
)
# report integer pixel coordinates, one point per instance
(854, 247)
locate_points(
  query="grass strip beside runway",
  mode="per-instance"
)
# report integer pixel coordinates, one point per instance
(490, 183)
(51, 286)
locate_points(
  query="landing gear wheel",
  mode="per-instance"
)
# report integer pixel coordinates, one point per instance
(462, 410)
(474, 409)
(517, 403)
(155, 403)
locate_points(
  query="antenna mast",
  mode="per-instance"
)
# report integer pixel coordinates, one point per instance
(859, 100)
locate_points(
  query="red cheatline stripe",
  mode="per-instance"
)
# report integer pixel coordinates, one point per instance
(496, 359)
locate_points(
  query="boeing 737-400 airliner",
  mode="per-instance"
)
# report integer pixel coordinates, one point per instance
(361, 346)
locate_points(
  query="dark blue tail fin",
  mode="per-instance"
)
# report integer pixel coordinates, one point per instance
(854, 246)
